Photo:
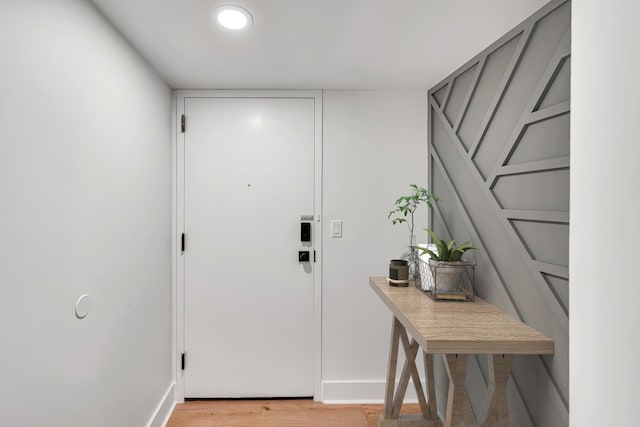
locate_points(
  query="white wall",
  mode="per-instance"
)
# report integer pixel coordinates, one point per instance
(374, 146)
(605, 289)
(85, 199)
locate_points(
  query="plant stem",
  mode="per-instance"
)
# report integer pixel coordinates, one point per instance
(411, 227)
(412, 251)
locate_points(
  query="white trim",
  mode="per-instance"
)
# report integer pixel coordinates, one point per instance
(317, 236)
(163, 411)
(362, 392)
(178, 221)
(175, 360)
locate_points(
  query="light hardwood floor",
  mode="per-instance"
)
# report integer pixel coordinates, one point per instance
(275, 413)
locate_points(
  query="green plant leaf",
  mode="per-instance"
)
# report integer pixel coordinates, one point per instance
(427, 251)
(463, 247)
(434, 237)
(449, 251)
(444, 252)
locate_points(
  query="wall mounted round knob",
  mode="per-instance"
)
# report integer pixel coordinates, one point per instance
(83, 306)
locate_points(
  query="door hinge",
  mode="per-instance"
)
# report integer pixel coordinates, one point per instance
(314, 256)
(182, 360)
(184, 122)
(182, 243)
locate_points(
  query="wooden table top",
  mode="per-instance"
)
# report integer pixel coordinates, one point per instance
(448, 327)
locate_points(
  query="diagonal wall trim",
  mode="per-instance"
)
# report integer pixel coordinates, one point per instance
(536, 98)
(532, 252)
(475, 237)
(436, 95)
(509, 127)
(440, 217)
(547, 278)
(553, 269)
(525, 36)
(478, 242)
(532, 167)
(447, 92)
(542, 285)
(562, 54)
(549, 112)
(541, 216)
(470, 91)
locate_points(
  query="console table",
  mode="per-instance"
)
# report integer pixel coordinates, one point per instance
(455, 330)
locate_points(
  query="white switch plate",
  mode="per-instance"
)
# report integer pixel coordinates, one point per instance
(336, 228)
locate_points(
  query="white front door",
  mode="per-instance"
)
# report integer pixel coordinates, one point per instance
(248, 300)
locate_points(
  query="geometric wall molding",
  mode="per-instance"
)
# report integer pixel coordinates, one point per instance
(499, 161)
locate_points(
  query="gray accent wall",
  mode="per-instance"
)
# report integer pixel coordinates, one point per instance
(499, 161)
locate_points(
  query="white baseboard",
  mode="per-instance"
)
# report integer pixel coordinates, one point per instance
(358, 392)
(164, 409)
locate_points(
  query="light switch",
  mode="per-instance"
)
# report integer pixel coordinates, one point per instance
(336, 228)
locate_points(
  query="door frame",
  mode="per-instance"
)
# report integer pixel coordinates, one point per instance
(178, 224)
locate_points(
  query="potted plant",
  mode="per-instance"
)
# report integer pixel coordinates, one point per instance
(451, 276)
(404, 212)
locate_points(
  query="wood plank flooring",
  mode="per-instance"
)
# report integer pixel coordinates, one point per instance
(276, 413)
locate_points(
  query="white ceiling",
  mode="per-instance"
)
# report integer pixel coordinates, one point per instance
(314, 44)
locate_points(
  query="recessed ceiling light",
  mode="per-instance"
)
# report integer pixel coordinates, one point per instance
(233, 17)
